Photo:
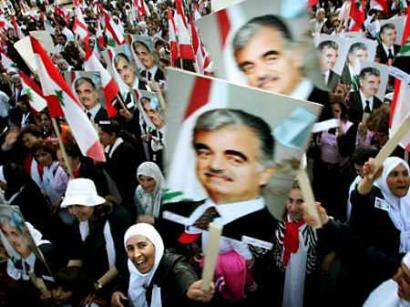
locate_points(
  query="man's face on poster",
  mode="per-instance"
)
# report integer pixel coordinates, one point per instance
(268, 64)
(17, 239)
(126, 71)
(144, 55)
(87, 94)
(359, 55)
(328, 58)
(369, 85)
(228, 164)
(389, 36)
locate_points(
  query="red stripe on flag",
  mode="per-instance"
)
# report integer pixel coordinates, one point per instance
(31, 83)
(396, 95)
(224, 25)
(199, 95)
(110, 92)
(406, 32)
(96, 152)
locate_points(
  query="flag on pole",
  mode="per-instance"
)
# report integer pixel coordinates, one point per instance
(113, 29)
(400, 109)
(183, 36)
(380, 5)
(7, 63)
(173, 44)
(143, 9)
(202, 58)
(80, 27)
(62, 102)
(110, 87)
(357, 15)
(34, 93)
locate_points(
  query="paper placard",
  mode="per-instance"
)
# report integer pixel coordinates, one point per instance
(326, 125)
(25, 50)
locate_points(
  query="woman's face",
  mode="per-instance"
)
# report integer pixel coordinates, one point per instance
(141, 252)
(147, 183)
(45, 122)
(398, 181)
(81, 213)
(336, 110)
(29, 140)
(43, 157)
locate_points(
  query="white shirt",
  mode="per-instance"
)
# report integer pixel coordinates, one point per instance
(385, 295)
(111, 149)
(303, 90)
(369, 99)
(386, 49)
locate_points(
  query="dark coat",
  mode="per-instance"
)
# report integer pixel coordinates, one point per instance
(356, 108)
(381, 54)
(333, 80)
(321, 97)
(101, 115)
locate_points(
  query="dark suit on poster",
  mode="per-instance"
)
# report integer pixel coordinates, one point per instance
(356, 107)
(321, 97)
(259, 225)
(101, 115)
(383, 56)
(333, 80)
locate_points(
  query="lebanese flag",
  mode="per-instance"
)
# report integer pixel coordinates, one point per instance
(7, 63)
(202, 59)
(357, 15)
(402, 59)
(113, 29)
(312, 3)
(183, 36)
(111, 90)
(143, 9)
(80, 27)
(380, 5)
(16, 27)
(173, 44)
(62, 12)
(400, 109)
(62, 102)
(34, 92)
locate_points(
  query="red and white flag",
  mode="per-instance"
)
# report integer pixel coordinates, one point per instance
(62, 102)
(111, 90)
(183, 36)
(80, 27)
(7, 63)
(202, 58)
(400, 109)
(34, 93)
(357, 15)
(113, 29)
(173, 44)
(380, 5)
(143, 9)
(16, 27)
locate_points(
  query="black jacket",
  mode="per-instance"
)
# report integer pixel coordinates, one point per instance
(381, 53)
(356, 108)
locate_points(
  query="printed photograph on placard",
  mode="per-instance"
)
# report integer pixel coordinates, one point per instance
(390, 39)
(264, 44)
(86, 85)
(287, 129)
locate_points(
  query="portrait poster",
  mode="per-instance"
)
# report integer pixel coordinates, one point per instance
(341, 52)
(398, 22)
(20, 241)
(384, 71)
(290, 121)
(223, 30)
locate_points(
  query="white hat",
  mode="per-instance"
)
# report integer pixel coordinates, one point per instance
(81, 191)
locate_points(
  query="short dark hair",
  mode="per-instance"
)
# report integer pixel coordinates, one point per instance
(82, 80)
(328, 44)
(387, 26)
(119, 56)
(248, 30)
(110, 126)
(31, 129)
(356, 46)
(220, 118)
(369, 71)
(362, 154)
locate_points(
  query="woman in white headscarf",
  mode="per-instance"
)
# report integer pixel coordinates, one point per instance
(156, 278)
(381, 206)
(148, 194)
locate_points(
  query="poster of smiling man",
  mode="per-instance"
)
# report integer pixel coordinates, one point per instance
(287, 128)
(264, 44)
(26, 249)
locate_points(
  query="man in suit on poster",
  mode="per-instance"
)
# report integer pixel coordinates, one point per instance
(387, 49)
(234, 161)
(329, 52)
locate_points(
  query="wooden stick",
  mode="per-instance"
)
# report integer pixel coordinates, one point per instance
(122, 102)
(211, 255)
(62, 147)
(108, 276)
(392, 143)
(308, 196)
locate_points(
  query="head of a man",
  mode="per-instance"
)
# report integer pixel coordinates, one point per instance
(264, 51)
(388, 34)
(87, 92)
(144, 54)
(329, 51)
(234, 154)
(125, 69)
(357, 52)
(152, 109)
(369, 81)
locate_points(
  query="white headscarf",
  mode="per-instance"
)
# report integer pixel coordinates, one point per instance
(399, 211)
(138, 281)
(151, 202)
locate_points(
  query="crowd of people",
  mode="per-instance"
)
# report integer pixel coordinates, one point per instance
(92, 233)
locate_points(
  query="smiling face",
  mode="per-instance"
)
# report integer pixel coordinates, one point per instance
(268, 63)
(141, 252)
(228, 164)
(19, 242)
(126, 71)
(81, 213)
(87, 94)
(328, 58)
(398, 181)
(369, 85)
(389, 37)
